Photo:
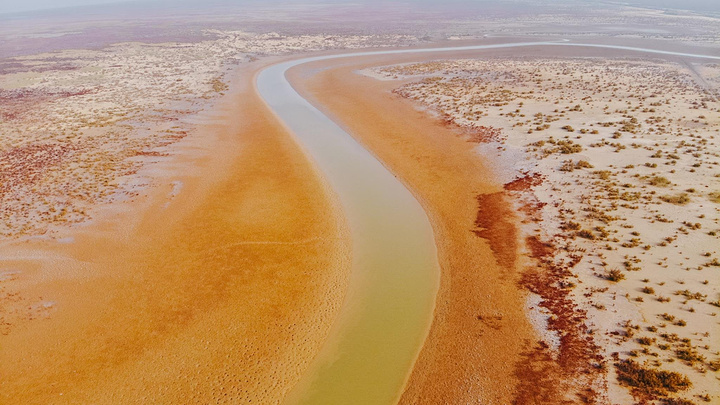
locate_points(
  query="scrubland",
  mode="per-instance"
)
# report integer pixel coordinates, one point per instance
(615, 167)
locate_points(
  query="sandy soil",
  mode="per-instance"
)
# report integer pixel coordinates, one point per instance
(162, 237)
(78, 125)
(480, 330)
(616, 161)
(462, 137)
(197, 290)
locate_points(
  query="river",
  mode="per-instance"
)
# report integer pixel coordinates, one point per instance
(395, 273)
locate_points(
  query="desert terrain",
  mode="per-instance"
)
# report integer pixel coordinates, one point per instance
(166, 238)
(608, 304)
(113, 247)
(635, 236)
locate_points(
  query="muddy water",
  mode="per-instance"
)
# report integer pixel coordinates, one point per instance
(395, 274)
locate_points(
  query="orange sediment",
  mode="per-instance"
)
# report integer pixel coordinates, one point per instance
(224, 294)
(480, 329)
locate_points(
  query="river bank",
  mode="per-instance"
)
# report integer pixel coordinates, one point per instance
(480, 330)
(577, 336)
(222, 282)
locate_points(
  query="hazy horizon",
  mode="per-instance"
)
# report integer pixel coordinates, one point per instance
(37, 5)
(7, 7)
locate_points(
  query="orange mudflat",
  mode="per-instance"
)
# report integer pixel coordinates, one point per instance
(226, 290)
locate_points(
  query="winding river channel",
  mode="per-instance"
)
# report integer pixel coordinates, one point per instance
(395, 273)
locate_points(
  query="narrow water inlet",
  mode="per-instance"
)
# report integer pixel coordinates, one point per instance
(395, 275)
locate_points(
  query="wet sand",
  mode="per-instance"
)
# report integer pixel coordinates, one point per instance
(480, 329)
(221, 293)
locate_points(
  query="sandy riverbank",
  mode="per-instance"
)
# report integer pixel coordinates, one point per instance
(480, 331)
(219, 283)
(633, 263)
(597, 329)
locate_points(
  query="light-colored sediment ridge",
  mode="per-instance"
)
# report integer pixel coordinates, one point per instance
(221, 291)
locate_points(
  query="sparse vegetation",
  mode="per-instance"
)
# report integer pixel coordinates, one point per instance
(659, 181)
(679, 199)
(620, 217)
(690, 355)
(614, 275)
(649, 381)
(677, 401)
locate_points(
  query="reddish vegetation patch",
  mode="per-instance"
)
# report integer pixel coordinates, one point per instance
(477, 134)
(576, 351)
(448, 120)
(539, 249)
(495, 224)
(48, 65)
(496, 220)
(176, 135)
(483, 134)
(152, 153)
(16, 103)
(577, 359)
(526, 182)
(12, 67)
(26, 164)
(538, 375)
(545, 376)
(532, 210)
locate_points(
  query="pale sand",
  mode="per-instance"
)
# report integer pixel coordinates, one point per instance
(220, 293)
(645, 129)
(480, 329)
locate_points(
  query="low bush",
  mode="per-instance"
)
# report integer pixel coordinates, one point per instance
(659, 181)
(614, 275)
(650, 381)
(679, 199)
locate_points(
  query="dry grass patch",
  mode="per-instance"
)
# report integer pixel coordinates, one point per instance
(650, 382)
(678, 199)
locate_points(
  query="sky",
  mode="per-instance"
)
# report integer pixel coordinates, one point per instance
(13, 6)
